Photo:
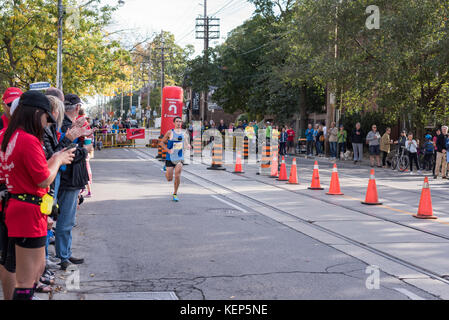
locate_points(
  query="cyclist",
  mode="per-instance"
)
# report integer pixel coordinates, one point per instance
(174, 143)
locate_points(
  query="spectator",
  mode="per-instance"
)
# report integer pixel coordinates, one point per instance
(441, 163)
(268, 132)
(309, 139)
(319, 140)
(373, 140)
(412, 147)
(55, 92)
(357, 143)
(29, 176)
(9, 96)
(342, 135)
(429, 150)
(402, 139)
(437, 133)
(283, 142)
(53, 143)
(7, 259)
(73, 179)
(222, 127)
(333, 140)
(291, 140)
(385, 143)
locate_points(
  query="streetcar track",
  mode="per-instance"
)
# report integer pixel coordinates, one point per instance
(381, 253)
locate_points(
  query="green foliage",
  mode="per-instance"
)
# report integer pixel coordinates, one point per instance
(28, 46)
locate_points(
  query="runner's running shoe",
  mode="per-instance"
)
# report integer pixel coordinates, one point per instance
(175, 198)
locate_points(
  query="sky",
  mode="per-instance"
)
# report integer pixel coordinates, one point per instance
(144, 17)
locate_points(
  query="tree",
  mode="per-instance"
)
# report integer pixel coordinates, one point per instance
(28, 46)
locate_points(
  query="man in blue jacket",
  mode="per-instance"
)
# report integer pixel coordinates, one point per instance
(309, 138)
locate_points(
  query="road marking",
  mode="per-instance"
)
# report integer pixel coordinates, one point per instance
(409, 294)
(230, 204)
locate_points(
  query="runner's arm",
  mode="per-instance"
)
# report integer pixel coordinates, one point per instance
(163, 142)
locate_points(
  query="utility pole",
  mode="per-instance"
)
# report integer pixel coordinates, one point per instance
(162, 66)
(59, 53)
(206, 47)
(149, 77)
(207, 29)
(131, 94)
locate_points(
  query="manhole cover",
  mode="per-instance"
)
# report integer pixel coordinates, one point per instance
(169, 295)
(223, 211)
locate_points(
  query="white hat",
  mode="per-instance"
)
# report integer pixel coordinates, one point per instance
(14, 105)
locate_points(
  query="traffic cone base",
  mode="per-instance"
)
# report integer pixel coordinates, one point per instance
(424, 217)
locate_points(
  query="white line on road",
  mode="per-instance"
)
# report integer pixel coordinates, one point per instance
(409, 294)
(230, 204)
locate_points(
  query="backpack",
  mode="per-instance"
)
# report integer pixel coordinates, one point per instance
(428, 147)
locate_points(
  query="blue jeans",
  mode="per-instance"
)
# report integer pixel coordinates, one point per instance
(67, 201)
(318, 147)
(333, 147)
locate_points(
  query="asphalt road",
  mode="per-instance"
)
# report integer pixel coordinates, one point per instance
(249, 237)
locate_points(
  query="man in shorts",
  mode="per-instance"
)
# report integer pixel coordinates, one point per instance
(373, 139)
(174, 142)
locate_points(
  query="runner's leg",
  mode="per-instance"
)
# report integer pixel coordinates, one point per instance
(178, 170)
(169, 174)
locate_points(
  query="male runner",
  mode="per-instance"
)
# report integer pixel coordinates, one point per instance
(174, 142)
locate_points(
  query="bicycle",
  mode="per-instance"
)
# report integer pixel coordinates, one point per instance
(400, 160)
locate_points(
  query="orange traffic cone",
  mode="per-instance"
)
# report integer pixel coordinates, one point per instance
(283, 173)
(315, 178)
(293, 173)
(238, 164)
(425, 210)
(334, 188)
(274, 166)
(371, 194)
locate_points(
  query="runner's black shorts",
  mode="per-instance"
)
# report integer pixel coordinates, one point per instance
(168, 163)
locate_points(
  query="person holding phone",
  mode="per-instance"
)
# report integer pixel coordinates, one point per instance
(174, 142)
(73, 179)
(29, 175)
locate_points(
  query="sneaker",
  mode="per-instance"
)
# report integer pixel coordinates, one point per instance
(63, 265)
(411, 172)
(52, 265)
(419, 172)
(54, 259)
(35, 298)
(175, 198)
(88, 195)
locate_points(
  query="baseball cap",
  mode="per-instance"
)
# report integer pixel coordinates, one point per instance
(71, 99)
(11, 94)
(36, 99)
(14, 105)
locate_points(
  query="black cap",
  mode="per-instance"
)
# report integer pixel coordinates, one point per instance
(71, 99)
(36, 99)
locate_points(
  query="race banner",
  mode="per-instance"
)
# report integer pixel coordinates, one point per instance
(132, 134)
